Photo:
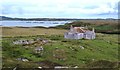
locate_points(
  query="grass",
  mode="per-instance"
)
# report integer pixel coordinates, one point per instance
(68, 52)
(15, 31)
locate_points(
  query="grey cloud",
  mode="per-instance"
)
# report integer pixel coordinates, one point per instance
(114, 7)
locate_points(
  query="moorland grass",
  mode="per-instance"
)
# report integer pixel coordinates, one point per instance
(67, 51)
(15, 31)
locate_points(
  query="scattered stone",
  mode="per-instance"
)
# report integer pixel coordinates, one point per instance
(40, 67)
(38, 49)
(82, 47)
(39, 39)
(59, 67)
(23, 42)
(23, 59)
(76, 67)
(45, 41)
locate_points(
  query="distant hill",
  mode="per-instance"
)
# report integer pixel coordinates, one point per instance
(100, 25)
(5, 18)
(36, 19)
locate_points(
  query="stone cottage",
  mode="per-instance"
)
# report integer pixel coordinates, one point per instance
(79, 33)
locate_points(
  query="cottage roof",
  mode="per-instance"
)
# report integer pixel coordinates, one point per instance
(80, 29)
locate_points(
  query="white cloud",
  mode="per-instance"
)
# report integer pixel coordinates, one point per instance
(66, 8)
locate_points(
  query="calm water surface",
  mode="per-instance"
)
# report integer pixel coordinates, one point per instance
(32, 23)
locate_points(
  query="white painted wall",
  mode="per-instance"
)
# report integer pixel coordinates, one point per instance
(86, 35)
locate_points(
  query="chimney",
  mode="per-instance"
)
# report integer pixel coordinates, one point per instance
(93, 30)
(71, 28)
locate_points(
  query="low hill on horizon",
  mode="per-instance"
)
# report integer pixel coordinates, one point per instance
(48, 19)
(37, 19)
(101, 26)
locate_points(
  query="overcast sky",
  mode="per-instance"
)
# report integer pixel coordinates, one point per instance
(60, 8)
